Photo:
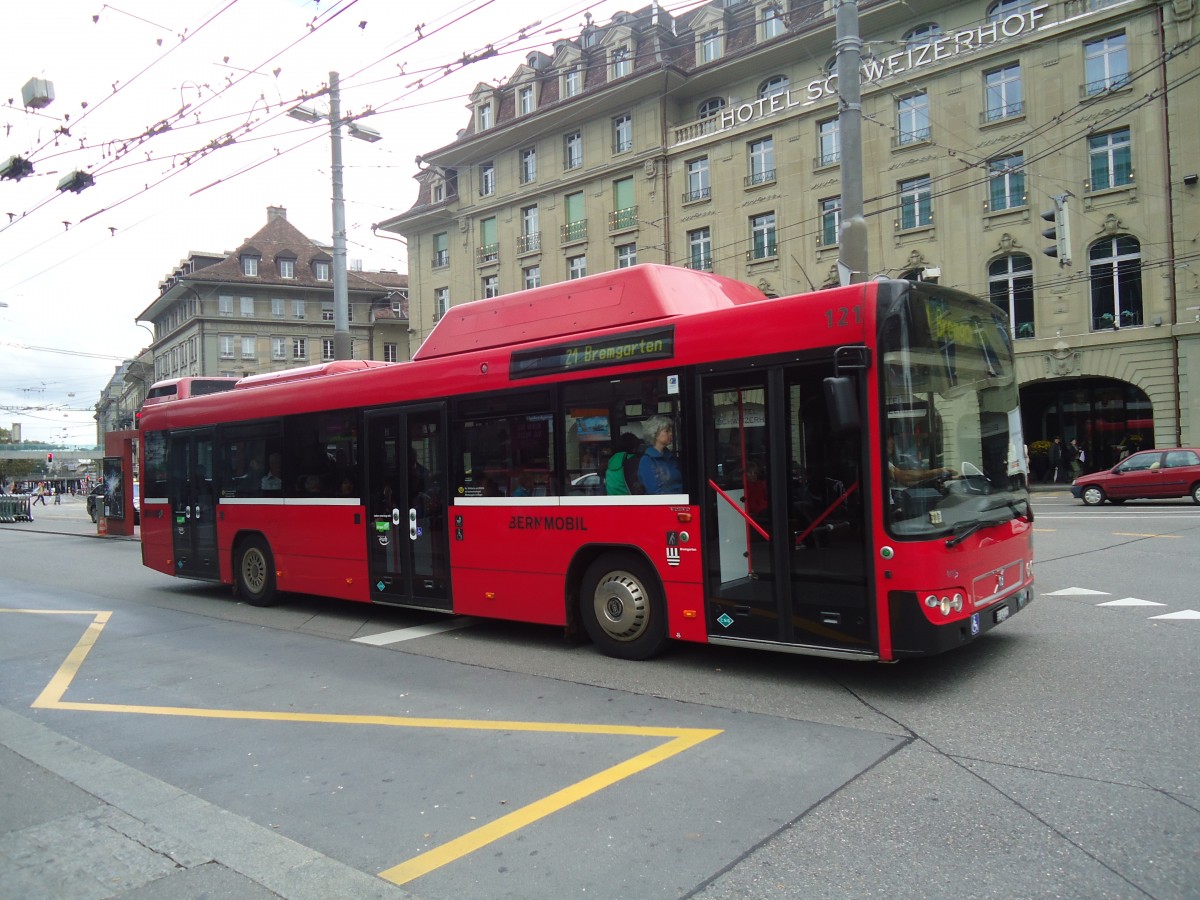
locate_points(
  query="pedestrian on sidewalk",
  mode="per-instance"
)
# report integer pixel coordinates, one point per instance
(1056, 460)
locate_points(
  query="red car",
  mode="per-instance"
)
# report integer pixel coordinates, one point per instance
(1148, 474)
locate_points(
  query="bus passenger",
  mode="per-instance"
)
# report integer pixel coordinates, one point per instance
(659, 469)
(273, 480)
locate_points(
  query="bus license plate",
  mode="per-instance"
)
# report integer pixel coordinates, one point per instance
(1001, 614)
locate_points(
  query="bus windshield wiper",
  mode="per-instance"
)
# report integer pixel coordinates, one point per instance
(960, 536)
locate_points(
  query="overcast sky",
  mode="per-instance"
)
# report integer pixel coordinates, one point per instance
(178, 111)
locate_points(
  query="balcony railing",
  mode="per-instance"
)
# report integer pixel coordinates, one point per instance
(441, 259)
(529, 243)
(487, 253)
(574, 232)
(622, 219)
(1000, 113)
(697, 195)
(916, 136)
(767, 176)
(764, 250)
(701, 262)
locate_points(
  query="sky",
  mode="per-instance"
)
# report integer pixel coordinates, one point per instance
(178, 112)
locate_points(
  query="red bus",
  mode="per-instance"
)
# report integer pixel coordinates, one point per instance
(848, 479)
(182, 388)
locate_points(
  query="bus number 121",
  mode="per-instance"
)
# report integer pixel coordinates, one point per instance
(843, 316)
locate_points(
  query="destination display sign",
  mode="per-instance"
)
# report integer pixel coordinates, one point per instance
(594, 353)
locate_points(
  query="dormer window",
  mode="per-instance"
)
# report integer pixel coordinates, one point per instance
(525, 100)
(572, 82)
(621, 63)
(485, 116)
(709, 47)
(287, 268)
(772, 23)
(250, 265)
(321, 270)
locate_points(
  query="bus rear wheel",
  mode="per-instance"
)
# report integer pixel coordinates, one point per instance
(255, 572)
(622, 607)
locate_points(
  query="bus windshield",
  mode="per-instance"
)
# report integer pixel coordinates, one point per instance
(953, 451)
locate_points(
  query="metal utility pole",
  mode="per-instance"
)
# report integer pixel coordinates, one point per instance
(852, 239)
(341, 300)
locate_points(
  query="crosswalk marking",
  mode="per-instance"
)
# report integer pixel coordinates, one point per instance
(416, 631)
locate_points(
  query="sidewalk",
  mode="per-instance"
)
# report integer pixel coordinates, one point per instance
(68, 517)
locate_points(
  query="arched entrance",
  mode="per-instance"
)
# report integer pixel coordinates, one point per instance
(1107, 417)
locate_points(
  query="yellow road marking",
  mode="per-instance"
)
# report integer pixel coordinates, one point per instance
(1138, 534)
(680, 739)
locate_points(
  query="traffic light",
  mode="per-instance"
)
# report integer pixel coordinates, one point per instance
(1060, 231)
(49, 458)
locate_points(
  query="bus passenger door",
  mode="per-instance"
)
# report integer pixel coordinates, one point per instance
(408, 545)
(784, 521)
(193, 504)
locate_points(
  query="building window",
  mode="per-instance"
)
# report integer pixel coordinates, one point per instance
(700, 249)
(327, 312)
(321, 270)
(531, 277)
(912, 119)
(224, 306)
(441, 250)
(525, 101)
(250, 265)
(531, 236)
(622, 62)
(528, 165)
(762, 236)
(1006, 182)
(489, 248)
(1002, 9)
(1002, 93)
(1010, 286)
(1110, 160)
(710, 107)
(831, 220)
(226, 344)
(829, 142)
(916, 202)
(626, 255)
(278, 348)
(776, 84)
(389, 352)
(299, 348)
(287, 268)
(277, 311)
(1105, 64)
(698, 186)
(247, 307)
(710, 46)
(1116, 282)
(572, 82)
(249, 348)
(624, 213)
(327, 353)
(622, 128)
(576, 227)
(573, 150)
(437, 190)
(485, 116)
(441, 302)
(576, 267)
(761, 156)
(772, 22)
(491, 286)
(487, 179)
(297, 309)
(922, 35)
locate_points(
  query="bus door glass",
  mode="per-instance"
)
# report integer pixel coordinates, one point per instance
(407, 537)
(193, 504)
(784, 517)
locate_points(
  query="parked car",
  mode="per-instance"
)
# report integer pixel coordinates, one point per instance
(95, 502)
(1144, 475)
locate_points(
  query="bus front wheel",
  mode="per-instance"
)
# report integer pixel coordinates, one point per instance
(622, 607)
(256, 572)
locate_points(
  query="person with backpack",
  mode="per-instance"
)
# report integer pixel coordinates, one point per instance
(659, 469)
(620, 475)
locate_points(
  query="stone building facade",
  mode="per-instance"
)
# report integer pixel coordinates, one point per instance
(711, 140)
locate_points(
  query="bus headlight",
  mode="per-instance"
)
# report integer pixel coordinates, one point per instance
(945, 604)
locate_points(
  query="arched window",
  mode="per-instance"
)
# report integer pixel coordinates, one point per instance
(1002, 9)
(922, 34)
(776, 84)
(1010, 287)
(710, 107)
(1116, 274)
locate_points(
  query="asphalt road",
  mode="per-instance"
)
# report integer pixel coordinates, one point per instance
(1055, 757)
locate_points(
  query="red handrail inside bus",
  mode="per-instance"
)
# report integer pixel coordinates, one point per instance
(741, 512)
(821, 518)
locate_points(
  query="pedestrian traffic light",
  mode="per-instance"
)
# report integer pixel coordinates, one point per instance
(49, 457)
(1059, 232)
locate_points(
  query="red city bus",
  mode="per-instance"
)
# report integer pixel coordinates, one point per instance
(850, 473)
(182, 388)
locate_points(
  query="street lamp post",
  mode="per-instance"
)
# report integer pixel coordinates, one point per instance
(341, 301)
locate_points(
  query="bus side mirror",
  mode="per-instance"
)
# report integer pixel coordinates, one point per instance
(841, 402)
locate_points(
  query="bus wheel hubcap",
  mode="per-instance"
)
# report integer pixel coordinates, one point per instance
(253, 572)
(621, 606)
